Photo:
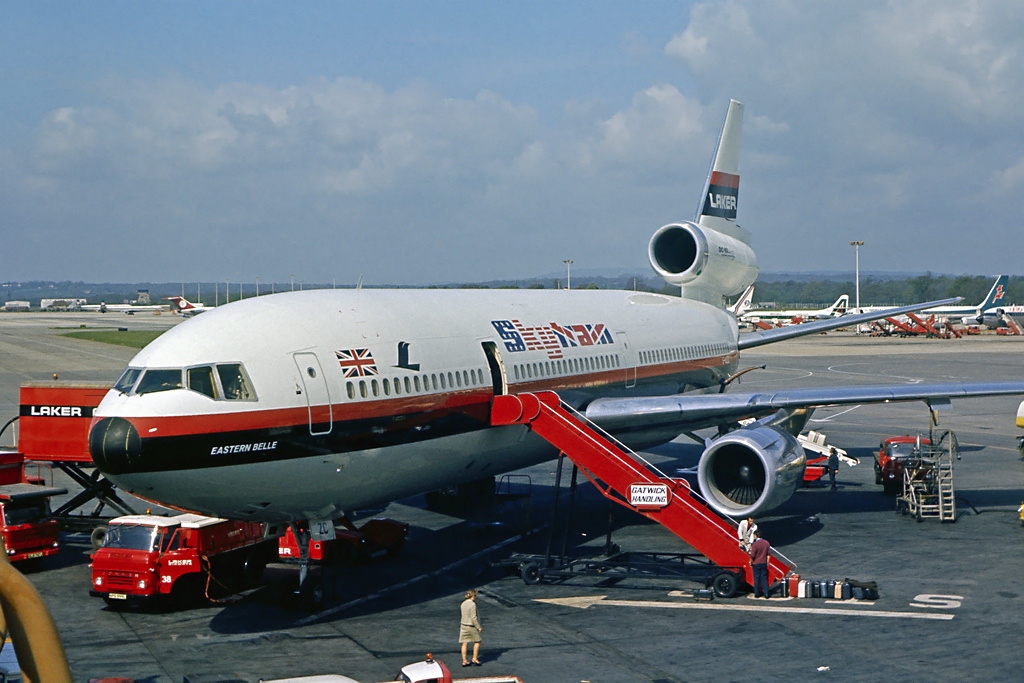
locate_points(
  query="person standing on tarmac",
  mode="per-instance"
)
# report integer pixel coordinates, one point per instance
(759, 551)
(470, 629)
(833, 466)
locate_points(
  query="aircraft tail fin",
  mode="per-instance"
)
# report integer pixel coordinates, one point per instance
(718, 203)
(842, 305)
(997, 295)
(744, 303)
(180, 303)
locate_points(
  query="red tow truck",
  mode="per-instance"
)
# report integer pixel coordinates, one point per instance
(27, 526)
(892, 454)
(181, 559)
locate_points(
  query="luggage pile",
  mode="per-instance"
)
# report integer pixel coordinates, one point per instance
(847, 589)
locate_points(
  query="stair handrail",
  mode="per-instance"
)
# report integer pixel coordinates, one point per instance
(633, 454)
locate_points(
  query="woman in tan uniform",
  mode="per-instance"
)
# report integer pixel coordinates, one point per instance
(470, 629)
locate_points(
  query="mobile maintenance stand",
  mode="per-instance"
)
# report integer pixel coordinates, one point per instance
(623, 477)
(928, 480)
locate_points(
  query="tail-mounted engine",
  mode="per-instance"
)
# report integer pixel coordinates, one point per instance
(706, 263)
(751, 470)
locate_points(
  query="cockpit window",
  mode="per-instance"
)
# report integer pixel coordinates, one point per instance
(159, 380)
(201, 380)
(234, 382)
(127, 381)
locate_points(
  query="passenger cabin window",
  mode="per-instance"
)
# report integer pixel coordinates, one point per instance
(201, 380)
(159, 380)
(235, 383)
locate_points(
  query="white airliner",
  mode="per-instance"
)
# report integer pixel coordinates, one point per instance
(994, 317)
(840, 307)
(129, 309)
(304, 406)
(966, 315)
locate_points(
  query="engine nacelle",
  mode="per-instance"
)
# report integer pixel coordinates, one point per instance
(689, 255)
(751, 470)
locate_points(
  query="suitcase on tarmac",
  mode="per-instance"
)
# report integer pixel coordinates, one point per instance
(823, 589)
(847, 591)
(858, 593)
(815, 589)
(801, 589)
(831, 589)
(838, 593)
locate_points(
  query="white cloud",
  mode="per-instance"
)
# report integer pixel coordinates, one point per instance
(886, 119)
(883, 121)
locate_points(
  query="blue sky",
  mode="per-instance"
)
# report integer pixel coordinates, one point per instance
(426, 142)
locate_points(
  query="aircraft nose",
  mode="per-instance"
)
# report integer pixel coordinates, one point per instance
(114, 445)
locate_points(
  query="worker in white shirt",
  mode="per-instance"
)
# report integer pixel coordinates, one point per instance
(745, 532)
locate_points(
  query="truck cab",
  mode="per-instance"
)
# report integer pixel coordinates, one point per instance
(144, 557)
(890, 459)
(28, 528)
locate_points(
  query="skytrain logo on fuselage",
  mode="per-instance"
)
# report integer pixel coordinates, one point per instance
(552, 337)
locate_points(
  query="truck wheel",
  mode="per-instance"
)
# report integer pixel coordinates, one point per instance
(97, 536)
(313, 595)
(530, 573)
(724, 585)
(252, 570)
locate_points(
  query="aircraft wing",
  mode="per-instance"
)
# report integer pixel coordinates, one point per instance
(683, 412)
(760, 338)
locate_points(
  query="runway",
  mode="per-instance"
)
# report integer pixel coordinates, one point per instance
(950, 606)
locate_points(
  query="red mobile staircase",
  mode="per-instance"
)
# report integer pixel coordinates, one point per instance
(622, 476)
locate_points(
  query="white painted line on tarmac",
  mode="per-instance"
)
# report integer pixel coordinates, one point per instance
(585, 602)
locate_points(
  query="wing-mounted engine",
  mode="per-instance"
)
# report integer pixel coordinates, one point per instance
(706, 263)
(751, 470)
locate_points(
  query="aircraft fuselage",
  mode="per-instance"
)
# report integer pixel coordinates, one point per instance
(312, 404)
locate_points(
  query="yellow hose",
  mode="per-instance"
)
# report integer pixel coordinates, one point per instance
(36, 641)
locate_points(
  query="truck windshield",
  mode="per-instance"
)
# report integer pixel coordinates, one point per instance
(900, 450)
(25, 512)
(131, 537)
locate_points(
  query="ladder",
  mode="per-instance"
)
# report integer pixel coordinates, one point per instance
(624, 477)
(928, 481)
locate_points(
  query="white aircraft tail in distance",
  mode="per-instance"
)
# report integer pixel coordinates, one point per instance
(302, 407)
(186, 308)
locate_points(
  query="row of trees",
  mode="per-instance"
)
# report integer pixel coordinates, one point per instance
(972, 288)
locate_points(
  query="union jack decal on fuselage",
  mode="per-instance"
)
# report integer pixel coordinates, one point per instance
(552, 337)
(356, 362)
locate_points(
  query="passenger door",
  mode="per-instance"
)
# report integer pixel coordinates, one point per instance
(318, 396)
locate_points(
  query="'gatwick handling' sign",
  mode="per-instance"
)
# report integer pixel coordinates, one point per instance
(648, 495)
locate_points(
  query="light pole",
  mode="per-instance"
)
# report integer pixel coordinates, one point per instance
(293, 282)
(257, 285)
(227, 291)
(856, 255)
(568, 272)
